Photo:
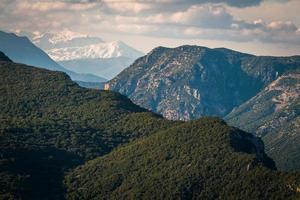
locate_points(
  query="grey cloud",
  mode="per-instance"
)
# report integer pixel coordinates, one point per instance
(235, 3)
(186, 19)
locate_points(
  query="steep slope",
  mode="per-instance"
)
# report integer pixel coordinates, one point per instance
(4, 58)
(85, 54)
(191, 81)
(203, 159)
(48, 124)
(274, 115)
(21, 50)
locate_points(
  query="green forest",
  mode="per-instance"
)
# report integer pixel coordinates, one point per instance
(61, 141)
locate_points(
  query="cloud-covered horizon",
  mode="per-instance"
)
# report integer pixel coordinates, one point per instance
(215, 20)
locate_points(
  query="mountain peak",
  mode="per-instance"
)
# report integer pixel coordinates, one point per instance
(22, 50)
(58, 37)
(65, 38)
(95, 50)
(190, 81)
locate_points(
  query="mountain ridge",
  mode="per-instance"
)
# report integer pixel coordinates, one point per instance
(184, 73)
(187, 161)
(4, 58)
(190, 81)
(85, 54)
(22, 50)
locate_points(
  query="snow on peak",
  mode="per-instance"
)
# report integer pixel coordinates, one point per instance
(98, 50)
(65, 35)
(65, 38)
(59, 37)
(69, 45)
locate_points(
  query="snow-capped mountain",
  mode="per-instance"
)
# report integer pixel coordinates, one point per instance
(85, 54)
(99, 50)
(22, 50)
(65, 38)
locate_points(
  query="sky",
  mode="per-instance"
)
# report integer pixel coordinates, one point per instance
(261, 27)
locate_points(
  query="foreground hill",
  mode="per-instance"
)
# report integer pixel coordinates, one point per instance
(273, 114)
(203, 159)
(192, 81)
(22, 50)
(49, 124)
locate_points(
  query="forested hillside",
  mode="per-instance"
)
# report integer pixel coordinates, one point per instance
(49, 124)
(61, 141)
(202, 159)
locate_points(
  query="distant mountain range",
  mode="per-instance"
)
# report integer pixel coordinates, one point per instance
(188, 82)
(64, 39)
(61, 141)
(85, 54)
(22, 50)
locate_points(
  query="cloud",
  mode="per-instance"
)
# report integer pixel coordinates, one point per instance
(212, 22)
(287, 26)
(127, 7)
(44, 6)
(131, 7)
(180, 19)
(204, 16)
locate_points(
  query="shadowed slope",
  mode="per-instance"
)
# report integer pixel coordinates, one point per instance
(203, 159)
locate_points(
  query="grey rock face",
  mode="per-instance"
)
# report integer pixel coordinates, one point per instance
(191, 81)
(274, 115)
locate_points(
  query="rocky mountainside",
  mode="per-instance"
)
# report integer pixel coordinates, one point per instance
(274, 115)
(22, 50)
(85, 54)
(192, 81)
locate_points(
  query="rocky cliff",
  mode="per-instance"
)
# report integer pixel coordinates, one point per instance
(192, 81)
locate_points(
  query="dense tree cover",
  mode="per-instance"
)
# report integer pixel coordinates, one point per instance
(49, 124)
(203, 159)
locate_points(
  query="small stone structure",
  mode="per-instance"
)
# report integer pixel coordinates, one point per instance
(106, 86)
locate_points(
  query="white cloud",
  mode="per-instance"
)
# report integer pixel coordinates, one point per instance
(287, 26)
(127, 7)
(192, 32)
(208, 16)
